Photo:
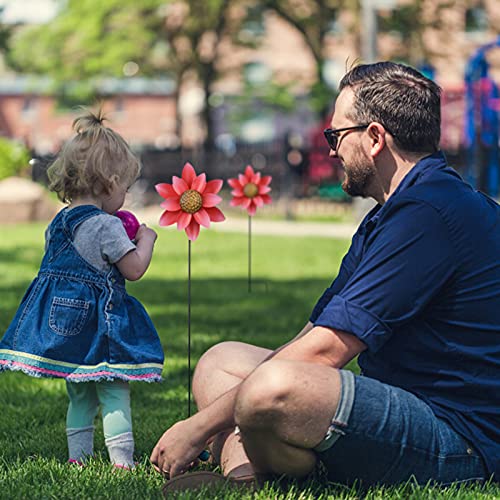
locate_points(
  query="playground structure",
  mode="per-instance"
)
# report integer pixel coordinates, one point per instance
(481, 124)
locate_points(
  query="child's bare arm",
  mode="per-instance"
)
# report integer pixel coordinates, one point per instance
(135, 263)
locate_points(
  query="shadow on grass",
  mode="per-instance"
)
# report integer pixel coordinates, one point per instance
(221, 309)
(33, 410)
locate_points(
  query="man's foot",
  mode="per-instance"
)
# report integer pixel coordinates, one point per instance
(200, 479)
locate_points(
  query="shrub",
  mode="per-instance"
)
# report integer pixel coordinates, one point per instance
(13, 158)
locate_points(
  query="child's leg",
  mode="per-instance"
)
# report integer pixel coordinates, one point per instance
(117, 421)
(82, 409)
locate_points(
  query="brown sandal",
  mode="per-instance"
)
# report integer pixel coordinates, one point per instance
(200, 479)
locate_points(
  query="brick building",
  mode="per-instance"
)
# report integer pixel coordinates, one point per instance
(144, 111)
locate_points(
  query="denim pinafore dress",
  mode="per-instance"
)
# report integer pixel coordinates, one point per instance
(77, 322)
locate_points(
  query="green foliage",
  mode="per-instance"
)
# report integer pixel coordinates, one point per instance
(403, 20)
(313, 20)
(274, 97)
(321, 98)
(14, 157)
(87, 40)
(91, 40)
(5, 33)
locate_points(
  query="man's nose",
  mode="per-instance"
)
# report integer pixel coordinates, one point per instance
(332, 153)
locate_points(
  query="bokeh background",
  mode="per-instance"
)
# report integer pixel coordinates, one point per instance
(224, 83)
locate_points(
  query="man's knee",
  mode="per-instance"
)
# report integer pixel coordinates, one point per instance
(263, 397)
(211, 359)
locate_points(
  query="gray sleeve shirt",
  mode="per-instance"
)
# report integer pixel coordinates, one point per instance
(102, 241)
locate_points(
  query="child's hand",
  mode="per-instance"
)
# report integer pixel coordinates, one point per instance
(144, 232)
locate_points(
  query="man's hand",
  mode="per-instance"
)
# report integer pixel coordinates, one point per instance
(177, 449)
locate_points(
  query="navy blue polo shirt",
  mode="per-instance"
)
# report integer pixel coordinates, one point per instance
(420, 286)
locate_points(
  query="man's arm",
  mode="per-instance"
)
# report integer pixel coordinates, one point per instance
(323, 345)
(182, 443)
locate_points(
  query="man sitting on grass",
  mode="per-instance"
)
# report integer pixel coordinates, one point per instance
(417, 297)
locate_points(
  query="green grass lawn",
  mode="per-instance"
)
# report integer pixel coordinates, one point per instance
(289, 275)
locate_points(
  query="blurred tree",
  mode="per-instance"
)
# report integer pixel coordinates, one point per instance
(313, 19)
(94, 39)
(407, 24)
(411, 23)
(5, 33)
(193, 30)
(86, 41)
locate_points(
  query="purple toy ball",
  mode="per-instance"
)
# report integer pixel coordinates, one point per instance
(129, 221)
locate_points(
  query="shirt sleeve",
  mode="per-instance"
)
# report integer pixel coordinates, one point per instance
(114, 240)
(349, 263)
(347, 267)
(405, 261)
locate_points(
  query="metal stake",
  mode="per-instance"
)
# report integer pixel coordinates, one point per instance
(189, 328)
(249, 253)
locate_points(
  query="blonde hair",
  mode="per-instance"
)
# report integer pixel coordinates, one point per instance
(90, 162)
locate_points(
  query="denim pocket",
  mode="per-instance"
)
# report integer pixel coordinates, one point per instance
(67, 316)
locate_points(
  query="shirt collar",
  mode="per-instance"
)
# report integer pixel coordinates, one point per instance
(432, 162)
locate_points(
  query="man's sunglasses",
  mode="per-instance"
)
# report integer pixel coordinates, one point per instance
(332, 135)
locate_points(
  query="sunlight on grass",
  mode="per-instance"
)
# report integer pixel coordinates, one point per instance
(289, 274)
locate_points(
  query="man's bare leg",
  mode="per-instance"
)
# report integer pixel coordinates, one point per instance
(284, 409)
(220, 369)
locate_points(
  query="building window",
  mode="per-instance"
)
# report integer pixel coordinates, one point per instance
(119, 105)
(28, 108)
(476, 19)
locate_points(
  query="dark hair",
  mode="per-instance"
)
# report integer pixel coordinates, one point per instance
(401, 99)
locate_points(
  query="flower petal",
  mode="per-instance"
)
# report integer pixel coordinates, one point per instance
(249, 172)
(266, 198)
(188, 174)
(258, 201)
(202, 218)
(266, 180)
(246, 202)
(210, 199)
(179, 185)
(165, 190)
(252, 209)
(214, 186)
(234, 183)
(168, 218)
(199, 183)
(264, 189)
(215, 214)
(237, 200)
(171, 204)
(237, 192)
(193, 230)
(243, 180)
(256, 178)
(184, 220)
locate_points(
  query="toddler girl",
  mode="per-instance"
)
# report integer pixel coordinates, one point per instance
(76, 320)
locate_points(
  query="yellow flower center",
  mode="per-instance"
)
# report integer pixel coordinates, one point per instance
(191, 201)
(251, 190)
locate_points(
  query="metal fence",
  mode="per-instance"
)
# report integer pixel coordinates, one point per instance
(160, 165)
(268, 158)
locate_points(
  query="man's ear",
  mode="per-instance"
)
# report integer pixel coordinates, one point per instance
(376, 133)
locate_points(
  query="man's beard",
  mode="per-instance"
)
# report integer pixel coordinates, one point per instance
(358, 176)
